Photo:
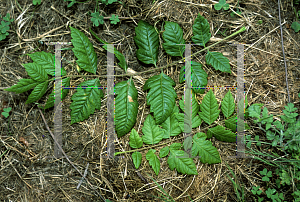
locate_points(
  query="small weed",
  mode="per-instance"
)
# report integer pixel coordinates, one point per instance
(285, 136)
(4, 26)
(35, 2)
(98, 19)
(6, 111)
(221, 4)
(259, 22)
(236, 186)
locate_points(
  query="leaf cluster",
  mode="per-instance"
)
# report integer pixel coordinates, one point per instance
(167, 120)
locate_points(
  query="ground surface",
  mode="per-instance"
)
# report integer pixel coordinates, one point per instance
(27, 171)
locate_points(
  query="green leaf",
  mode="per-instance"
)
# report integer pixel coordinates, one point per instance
(188, 143)
(175, 146)
(205, 150)
(6, 111)
(254, 110)
(106, 2)
(196, 121)
(209, 108)
(161, 96)
(201, 31)
(153, 160)
(36, 72)
(171, 127)
(199, 77)
(231, 124)
(147, 41)
(288, 116)
(164, 152)
(182, 165)
(137, 159)
(85, 100)
(46, 61)
(118, 54)
(37, 92)
(114, 19)
(22, 86)
(72, 2)
(296, 26)
(97, 19)
(135, 140)
(285, 178)
(221, 4)
(195, 105)
(51, 100)
(152, 133)
(173, 35)
(34, 2)
(218, 61)
(84, 51)
(221, 134)
(228, 104)
(126, 106)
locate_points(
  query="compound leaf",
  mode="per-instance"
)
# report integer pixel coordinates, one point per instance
(199, 77)
(36, 72)
(37, 92)
(204, 148)
(201, 31)
(209, 108)
(84, 51)
(152, 133)
(182, 165)
(173, 35)
(228, 104)
(51, 100)
(221, 134)
(47, 61)
(137, 159)
(135, 140)
(161, 96)
(153, 160)
(147, 41)
(22, 86)
(218, 61)
(126, 106)
(85, 100)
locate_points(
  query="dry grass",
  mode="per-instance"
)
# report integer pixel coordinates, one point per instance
(29, 173)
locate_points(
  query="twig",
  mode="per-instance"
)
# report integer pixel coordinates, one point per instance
(84, 174)
(286, 74)
(68, 157)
